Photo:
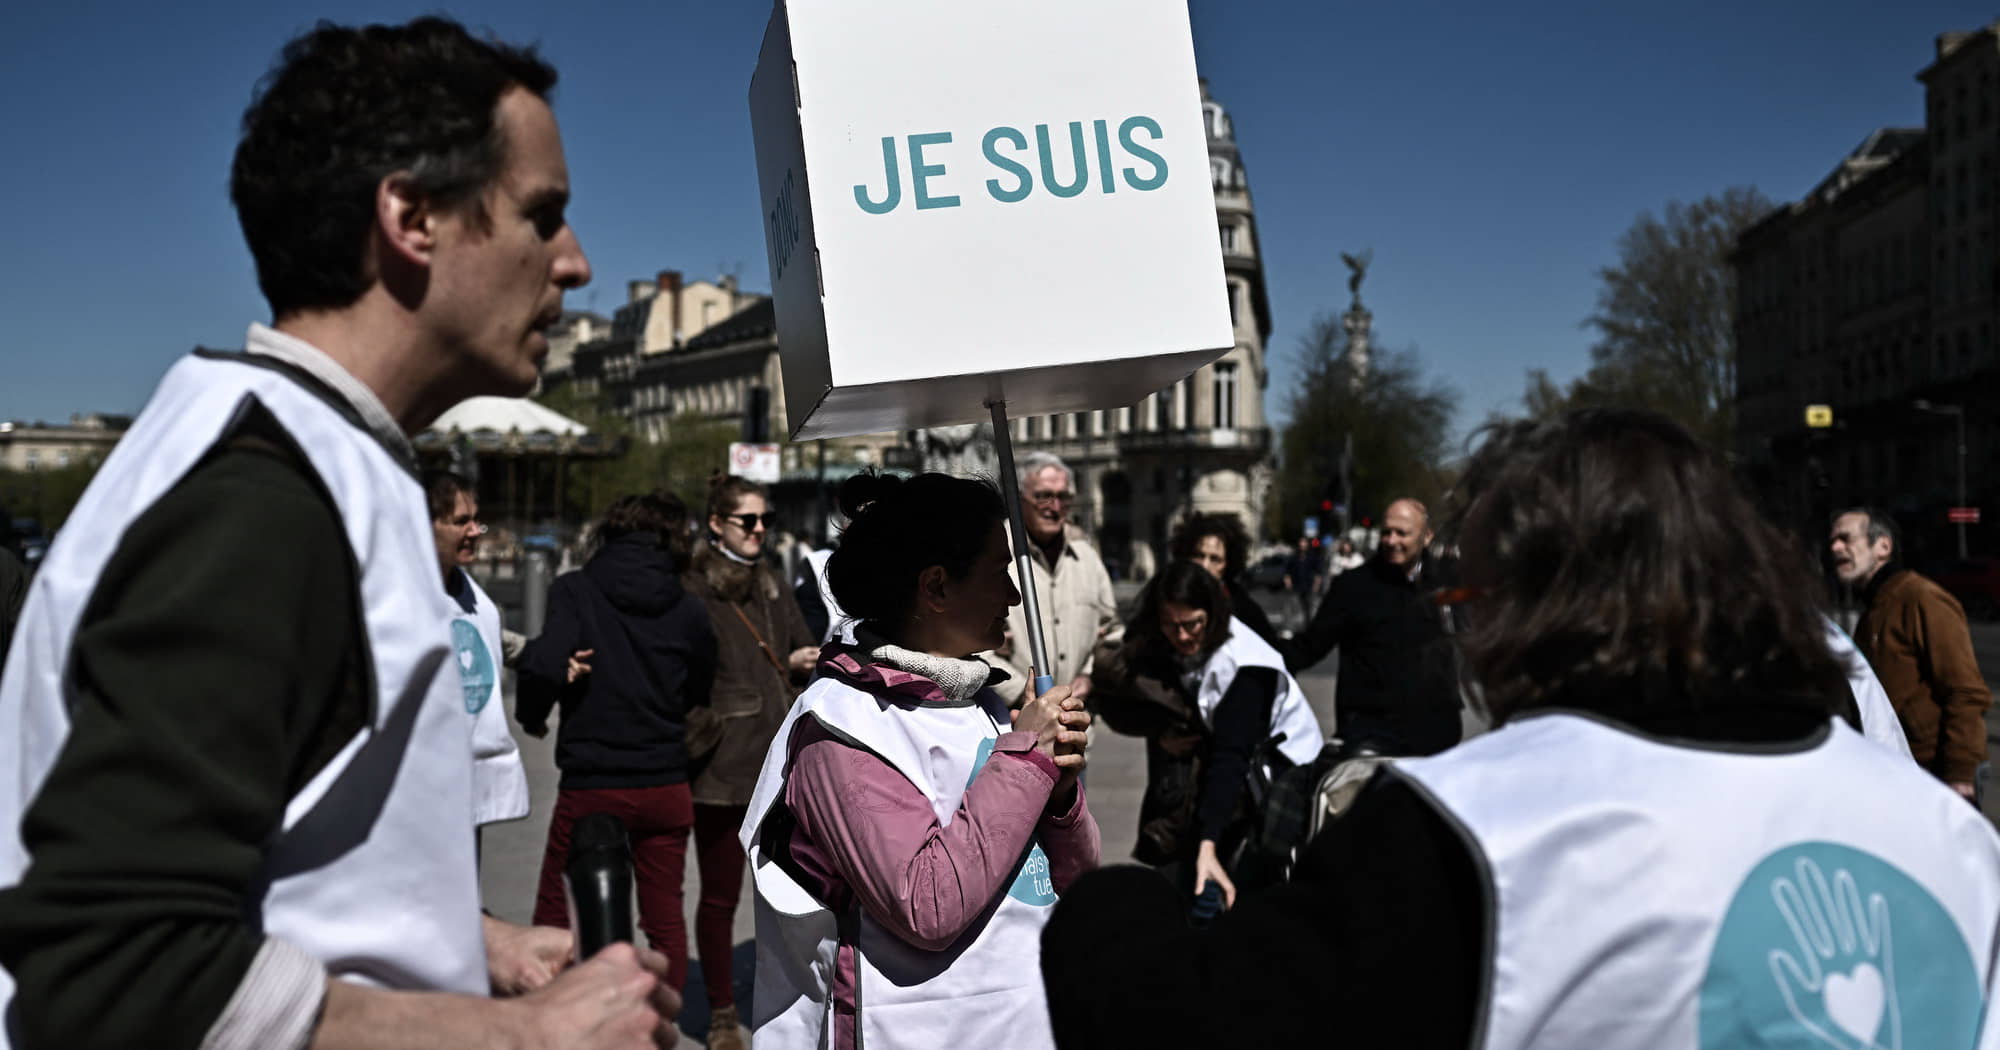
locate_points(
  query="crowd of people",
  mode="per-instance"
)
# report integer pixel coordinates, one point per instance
(252, 718)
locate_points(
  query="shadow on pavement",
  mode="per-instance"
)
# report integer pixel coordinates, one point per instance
(694, 1009)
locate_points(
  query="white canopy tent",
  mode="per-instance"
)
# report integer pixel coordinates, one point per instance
(521, 433)
(507, 416)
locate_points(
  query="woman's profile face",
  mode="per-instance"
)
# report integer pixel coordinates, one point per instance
(976, 606)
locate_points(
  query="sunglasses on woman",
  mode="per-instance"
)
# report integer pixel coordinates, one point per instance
(748, 522)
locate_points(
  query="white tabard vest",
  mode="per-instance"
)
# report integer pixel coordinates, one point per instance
(1878, 716)
(499, 782)
(1290, 713)
(839, 626)
(983, 991)
(1647, 894)
(372, 871)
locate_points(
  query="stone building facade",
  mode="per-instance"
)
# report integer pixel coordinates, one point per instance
(85, 439)
(724, 372)
(1878, 294)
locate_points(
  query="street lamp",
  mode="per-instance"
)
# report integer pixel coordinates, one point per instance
(1957, 412)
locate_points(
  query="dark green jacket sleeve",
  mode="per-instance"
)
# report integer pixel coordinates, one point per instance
(216, 667)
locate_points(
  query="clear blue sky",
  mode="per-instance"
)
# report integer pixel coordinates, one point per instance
(1489, 154)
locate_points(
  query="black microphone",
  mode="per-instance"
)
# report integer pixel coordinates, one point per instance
(599, 877)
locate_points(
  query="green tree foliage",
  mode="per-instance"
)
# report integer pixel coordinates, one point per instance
(1665, 320)
(1399, 419)
(693, 450)
(45, 495)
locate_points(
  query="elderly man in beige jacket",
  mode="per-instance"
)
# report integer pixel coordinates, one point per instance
(1078, 608)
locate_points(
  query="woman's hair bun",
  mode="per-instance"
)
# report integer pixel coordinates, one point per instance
(857, 492)
(896, 529)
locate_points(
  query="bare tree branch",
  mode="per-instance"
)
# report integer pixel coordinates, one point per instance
(1664, 321)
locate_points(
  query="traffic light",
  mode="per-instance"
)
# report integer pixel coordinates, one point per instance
(1332, 495)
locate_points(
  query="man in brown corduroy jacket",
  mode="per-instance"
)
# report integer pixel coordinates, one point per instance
(1914, 635)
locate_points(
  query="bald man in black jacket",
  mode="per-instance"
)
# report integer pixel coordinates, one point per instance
(1398, 680)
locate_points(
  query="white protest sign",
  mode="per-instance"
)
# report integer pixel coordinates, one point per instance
(754, 462)
(973, 202)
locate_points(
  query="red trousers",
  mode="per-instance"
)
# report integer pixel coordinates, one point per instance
(657, 819)
(721, 858)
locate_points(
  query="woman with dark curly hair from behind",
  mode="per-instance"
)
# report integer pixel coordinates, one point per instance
(1673, 838)
(906, 842)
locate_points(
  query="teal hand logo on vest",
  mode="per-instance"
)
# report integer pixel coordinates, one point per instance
(475, 664)
(1826, 946)
(1034, 884)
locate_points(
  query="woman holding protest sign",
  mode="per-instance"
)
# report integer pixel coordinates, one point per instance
(907, 846)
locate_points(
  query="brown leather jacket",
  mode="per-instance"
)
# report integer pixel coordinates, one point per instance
(727, 739)
(1914, 635)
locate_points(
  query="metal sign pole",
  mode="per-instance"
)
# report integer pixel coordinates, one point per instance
(1024, 562)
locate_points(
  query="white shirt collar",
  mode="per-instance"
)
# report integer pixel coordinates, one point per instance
(310, 359)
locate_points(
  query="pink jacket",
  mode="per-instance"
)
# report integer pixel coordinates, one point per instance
(865, 833)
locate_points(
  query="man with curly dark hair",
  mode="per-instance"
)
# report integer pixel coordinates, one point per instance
(233, 750)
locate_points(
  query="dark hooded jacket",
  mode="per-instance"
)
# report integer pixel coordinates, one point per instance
(623, 724)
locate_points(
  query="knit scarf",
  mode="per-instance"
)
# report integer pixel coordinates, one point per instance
(957, 679)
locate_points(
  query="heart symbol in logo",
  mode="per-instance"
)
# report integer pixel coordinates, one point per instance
(465, 659)
(1855, 1001)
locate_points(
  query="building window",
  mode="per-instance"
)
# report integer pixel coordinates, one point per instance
(1225, 394)
(1229, 237)
(1229, 289)
(1163, 410)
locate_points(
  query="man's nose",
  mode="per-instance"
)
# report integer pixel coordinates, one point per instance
(572, 266)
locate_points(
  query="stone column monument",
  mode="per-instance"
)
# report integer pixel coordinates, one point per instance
(1357, 319)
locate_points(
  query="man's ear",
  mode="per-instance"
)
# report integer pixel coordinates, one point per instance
(930, 589)
(405, 218)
